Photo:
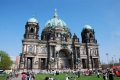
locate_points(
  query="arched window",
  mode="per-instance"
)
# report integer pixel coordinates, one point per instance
(52, 50)
(30, 49)
(31, 30)
(58, 35)
(43, 50)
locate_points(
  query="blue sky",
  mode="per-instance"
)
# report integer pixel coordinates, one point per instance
(102, 15)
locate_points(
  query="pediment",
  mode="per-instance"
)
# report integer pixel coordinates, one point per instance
(30, 54)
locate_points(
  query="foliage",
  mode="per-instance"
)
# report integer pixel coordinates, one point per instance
(6, 61)
(110, 65)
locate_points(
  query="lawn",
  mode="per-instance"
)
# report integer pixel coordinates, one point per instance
(3, 77)
(63, 76)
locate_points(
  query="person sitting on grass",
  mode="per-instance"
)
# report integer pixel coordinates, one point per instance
(50, 78)
(46, 78)
(98, 74)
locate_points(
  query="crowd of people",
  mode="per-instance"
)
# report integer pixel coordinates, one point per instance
(107, 74)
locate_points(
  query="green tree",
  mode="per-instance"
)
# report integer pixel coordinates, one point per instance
(5, 61)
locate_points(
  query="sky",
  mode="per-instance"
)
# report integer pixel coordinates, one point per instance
(102, 15)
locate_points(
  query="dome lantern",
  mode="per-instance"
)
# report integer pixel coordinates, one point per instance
(55, 15)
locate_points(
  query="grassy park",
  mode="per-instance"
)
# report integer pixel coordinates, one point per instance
(63, 76)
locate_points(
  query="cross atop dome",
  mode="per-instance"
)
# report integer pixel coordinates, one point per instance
(86, 23)
(55, 15)
(33, 15)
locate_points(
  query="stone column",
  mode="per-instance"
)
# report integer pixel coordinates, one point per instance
(75, 57)
(54, 54)
(26, 62)
(34, 49)
(86, 63)
(45, 63)
(72, 61)
(50, 53)
(40, 63)
(98, 58)
(93, 63)
(23, 52)
(35, 29)
(57, 61)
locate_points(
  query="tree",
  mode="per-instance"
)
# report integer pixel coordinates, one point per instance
(5, 61)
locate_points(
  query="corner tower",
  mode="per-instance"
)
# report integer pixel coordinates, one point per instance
(31, 29)
(88, 34)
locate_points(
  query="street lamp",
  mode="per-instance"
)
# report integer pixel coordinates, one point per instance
(107, 56)
(112, 61)
(115, 59)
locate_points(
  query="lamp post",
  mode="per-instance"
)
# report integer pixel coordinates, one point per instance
(107, 57)
(115, 59)
(112, 61)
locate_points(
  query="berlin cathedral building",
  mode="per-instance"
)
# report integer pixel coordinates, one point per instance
(57, 48)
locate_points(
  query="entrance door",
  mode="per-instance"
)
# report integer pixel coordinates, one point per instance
(64, 60)
(29, 63)
(83, 63)
(42, 63)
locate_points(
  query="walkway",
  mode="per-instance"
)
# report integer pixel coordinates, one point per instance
(18, 78)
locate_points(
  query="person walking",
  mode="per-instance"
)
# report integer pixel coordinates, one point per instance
(78, 73)
(28, 75)
(104, 76)
(111, 75)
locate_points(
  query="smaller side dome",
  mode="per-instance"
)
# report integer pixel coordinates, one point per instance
(87, 26)
(33, 20)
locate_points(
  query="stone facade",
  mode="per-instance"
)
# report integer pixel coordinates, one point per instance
(57, 49)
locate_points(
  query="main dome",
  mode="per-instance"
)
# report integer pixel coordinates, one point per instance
(54, 22)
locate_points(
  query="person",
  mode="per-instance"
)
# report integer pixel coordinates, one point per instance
(28, 75)
(98, 74)
(23, 75)
(47, 78)
(32, 75)
(110, 75)
(50, 78)
(104, 76)
(66, 78)
(78, 73)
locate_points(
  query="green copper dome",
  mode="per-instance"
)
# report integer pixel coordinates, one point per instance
(87, 27)
(54, 22)
(33, 20)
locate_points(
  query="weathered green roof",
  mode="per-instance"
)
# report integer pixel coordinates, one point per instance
(55, 22)
(87, 27)
(32, 20)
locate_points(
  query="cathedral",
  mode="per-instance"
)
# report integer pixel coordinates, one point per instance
(57, 48)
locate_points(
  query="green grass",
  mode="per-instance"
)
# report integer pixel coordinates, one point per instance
(3, 77)
(63, 76)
